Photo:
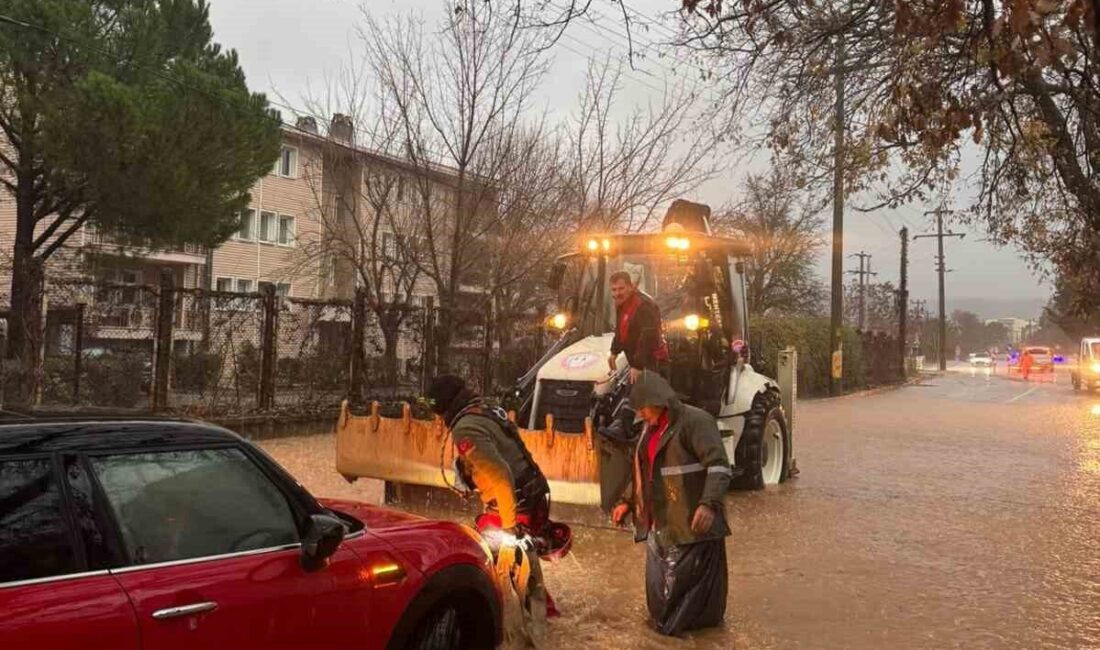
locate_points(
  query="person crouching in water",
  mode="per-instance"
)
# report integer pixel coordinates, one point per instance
(490, 458)
(681, 473)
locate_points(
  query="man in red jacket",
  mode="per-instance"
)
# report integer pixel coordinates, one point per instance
(637, 328)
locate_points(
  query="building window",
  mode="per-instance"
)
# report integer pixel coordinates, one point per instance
(287, 164)
(282, 289)
(269, 225)
(224, 284)
(244, 286)
(286, 230)
(247, 231)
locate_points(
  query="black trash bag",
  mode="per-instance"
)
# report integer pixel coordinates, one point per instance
(686, 586)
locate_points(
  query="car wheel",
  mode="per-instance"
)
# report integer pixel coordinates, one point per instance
(441, 631)
(764, 449)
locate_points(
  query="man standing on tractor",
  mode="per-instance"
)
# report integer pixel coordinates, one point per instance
(637, 328)
(491, 459)
(681, 472)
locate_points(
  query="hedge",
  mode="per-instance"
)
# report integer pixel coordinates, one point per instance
(810, 337)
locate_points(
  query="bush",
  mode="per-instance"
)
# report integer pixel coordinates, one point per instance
(57, 380)
(118, 379)
(810, 337)
(196, 372)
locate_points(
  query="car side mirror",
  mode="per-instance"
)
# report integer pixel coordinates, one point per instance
(557, 274)
(323, 537)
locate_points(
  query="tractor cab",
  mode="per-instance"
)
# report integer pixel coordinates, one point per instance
(694, 277)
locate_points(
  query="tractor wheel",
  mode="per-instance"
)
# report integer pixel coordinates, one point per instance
(763, 452)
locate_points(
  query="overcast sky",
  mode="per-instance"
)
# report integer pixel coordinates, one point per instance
(287, 46)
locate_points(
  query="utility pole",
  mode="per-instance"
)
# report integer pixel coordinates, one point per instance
(903, 298)
(918, 308)
(862, 273)
(941, 267)
(836, 319)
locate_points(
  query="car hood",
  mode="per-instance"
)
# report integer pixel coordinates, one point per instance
(375, 517)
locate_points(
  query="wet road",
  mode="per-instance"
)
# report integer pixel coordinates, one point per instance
(961, 512)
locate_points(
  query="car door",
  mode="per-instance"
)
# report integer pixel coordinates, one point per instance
(213, 555)
(55, 590)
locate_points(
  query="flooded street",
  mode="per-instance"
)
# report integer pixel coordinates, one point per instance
(962, 512)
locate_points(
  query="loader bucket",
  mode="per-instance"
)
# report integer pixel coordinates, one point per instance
(408, 450)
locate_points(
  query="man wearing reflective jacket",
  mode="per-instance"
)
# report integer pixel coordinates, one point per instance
(681, 473)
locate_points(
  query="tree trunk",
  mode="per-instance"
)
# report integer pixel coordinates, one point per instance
(444, 334)
(391, 333)
(25, 319)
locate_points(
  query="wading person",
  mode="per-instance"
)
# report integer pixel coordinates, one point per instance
(637, 328)
(491, 459)
(681, 473)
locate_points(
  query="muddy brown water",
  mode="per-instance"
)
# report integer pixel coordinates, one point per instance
(961, 514)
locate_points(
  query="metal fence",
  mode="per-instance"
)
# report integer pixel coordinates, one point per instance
(209, 353)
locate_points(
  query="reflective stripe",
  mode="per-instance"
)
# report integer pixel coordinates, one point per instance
(676, 470)
(719, 469)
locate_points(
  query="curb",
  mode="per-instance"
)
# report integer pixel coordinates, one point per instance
(876, 390)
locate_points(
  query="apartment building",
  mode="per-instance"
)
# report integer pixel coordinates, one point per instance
(319, 179)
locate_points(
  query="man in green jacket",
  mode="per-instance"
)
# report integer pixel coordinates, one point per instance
(681, 473)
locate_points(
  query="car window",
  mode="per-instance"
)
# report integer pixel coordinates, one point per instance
(34, 540)
(176, 505)
(89, 516)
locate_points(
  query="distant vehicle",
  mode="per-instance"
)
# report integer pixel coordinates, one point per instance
(1086, 374)
(1042, 359)
(166, 534)
(981, 360)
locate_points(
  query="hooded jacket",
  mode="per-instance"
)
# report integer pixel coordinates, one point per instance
(690, 468)
(499, 465)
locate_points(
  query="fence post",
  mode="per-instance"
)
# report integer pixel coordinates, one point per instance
(487, 348)
(268, 334)
(78, 350)
(358, 343)
(428, 341)
(162, 343)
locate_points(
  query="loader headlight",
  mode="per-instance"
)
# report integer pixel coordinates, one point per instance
(1096, 367)
(695, 322)
(678, 243)
(559, 321)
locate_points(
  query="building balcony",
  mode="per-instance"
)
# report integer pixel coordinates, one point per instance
(186, 254)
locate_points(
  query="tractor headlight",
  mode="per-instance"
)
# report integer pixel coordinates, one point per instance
(694, 322)
(1096, 367)
(678, 243)
(559, 321)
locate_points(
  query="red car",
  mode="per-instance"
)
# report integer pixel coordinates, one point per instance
(159, 535)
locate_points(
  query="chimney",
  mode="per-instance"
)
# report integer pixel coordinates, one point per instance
(341, 129)
(307, 124)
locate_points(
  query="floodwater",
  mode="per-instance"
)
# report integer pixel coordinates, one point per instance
(963, 512)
